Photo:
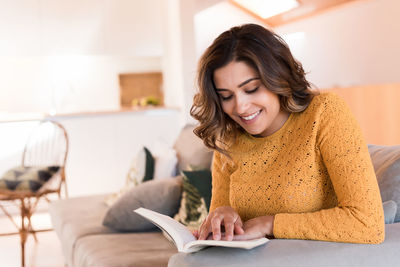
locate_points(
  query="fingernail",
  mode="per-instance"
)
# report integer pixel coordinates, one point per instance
(217, 236)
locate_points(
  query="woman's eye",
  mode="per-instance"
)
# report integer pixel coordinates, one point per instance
(225, 98)
(253, 91)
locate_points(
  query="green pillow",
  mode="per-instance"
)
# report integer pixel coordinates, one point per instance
(27, 178)
(196, 198)
(148, 165)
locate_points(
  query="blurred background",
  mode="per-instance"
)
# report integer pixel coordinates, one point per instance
(119, 74)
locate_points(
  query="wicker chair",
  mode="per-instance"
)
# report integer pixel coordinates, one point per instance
(47, 145)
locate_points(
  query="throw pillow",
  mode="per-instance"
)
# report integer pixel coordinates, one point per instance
(196, 198)
(191, 150)
(141, 170)
(165, 160)
(389, 210)
(27, 178)
(386, 161)
(159, 195)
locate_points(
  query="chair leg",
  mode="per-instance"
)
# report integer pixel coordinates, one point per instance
(29, 210)
(65, 187)
(22, 232)
(30, 228)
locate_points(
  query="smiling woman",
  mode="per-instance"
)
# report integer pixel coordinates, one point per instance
(248, 103)
(288, 162)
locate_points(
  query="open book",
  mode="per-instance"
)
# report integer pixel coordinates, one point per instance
(185, 241)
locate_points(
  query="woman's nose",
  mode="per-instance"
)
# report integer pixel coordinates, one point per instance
(241, 104)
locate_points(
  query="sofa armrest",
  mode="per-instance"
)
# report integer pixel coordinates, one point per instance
(290, 252)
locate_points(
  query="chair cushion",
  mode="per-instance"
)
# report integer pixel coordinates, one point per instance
(196, 198)
(386, 161)
(27, 178)
(160, 195)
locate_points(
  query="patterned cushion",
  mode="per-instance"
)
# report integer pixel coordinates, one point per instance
(27, 178)
(142, 170)
(196, 198)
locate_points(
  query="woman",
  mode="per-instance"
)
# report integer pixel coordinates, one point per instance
(289, 162)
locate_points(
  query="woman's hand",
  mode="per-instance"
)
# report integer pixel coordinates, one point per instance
(222, 216)
(256, 228)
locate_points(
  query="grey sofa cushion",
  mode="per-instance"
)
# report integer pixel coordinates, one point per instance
(123, 249)
(389, 209)
(191, 151)
(77, 217)
(161, 195)
(299, 253)
(386, 160)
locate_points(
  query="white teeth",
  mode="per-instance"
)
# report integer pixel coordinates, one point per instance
(250, 117)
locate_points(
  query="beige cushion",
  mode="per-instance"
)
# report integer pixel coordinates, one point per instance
(73, 218)
(127, 249)
(191, 150)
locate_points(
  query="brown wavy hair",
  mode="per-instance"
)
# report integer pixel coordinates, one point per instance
(262, 50)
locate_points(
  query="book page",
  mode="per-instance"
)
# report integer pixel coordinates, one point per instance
(177, 231)
(246, 244)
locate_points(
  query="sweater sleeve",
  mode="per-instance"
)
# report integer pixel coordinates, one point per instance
(358, 216)
(221, 171)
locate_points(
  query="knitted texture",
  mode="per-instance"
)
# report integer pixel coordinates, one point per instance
(314, 174)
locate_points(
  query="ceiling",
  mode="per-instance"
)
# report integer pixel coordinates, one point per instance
(305, 9)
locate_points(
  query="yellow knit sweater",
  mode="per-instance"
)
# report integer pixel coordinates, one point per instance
(314, 174)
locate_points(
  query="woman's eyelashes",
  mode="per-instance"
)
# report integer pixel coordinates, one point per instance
(226, 98)
(253, 91)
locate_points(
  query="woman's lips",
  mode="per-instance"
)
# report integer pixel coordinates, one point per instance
(250, 118)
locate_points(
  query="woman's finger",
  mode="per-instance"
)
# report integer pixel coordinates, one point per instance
(239, 229)
(229, 225)
(204, 230)
(195, 233)
(216, 227)
(239, 226)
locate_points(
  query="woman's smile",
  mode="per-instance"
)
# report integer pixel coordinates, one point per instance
(250, 118)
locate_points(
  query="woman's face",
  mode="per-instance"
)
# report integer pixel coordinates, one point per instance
(247, 101)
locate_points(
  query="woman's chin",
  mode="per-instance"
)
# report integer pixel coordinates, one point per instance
(251, 131)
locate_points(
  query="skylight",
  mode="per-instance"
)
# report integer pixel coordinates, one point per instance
(267, 8)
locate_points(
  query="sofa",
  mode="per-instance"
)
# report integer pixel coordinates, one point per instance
(85, 241)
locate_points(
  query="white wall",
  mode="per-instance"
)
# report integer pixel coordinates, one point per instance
(353, 44)
(212, 21)
(102, 147)
(64, 54)
(66, 83)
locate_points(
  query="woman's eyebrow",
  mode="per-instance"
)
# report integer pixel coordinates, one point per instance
(240, 85)
(221, 89)
(248, 80)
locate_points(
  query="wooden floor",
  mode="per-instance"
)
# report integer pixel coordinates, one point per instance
(44, 253)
